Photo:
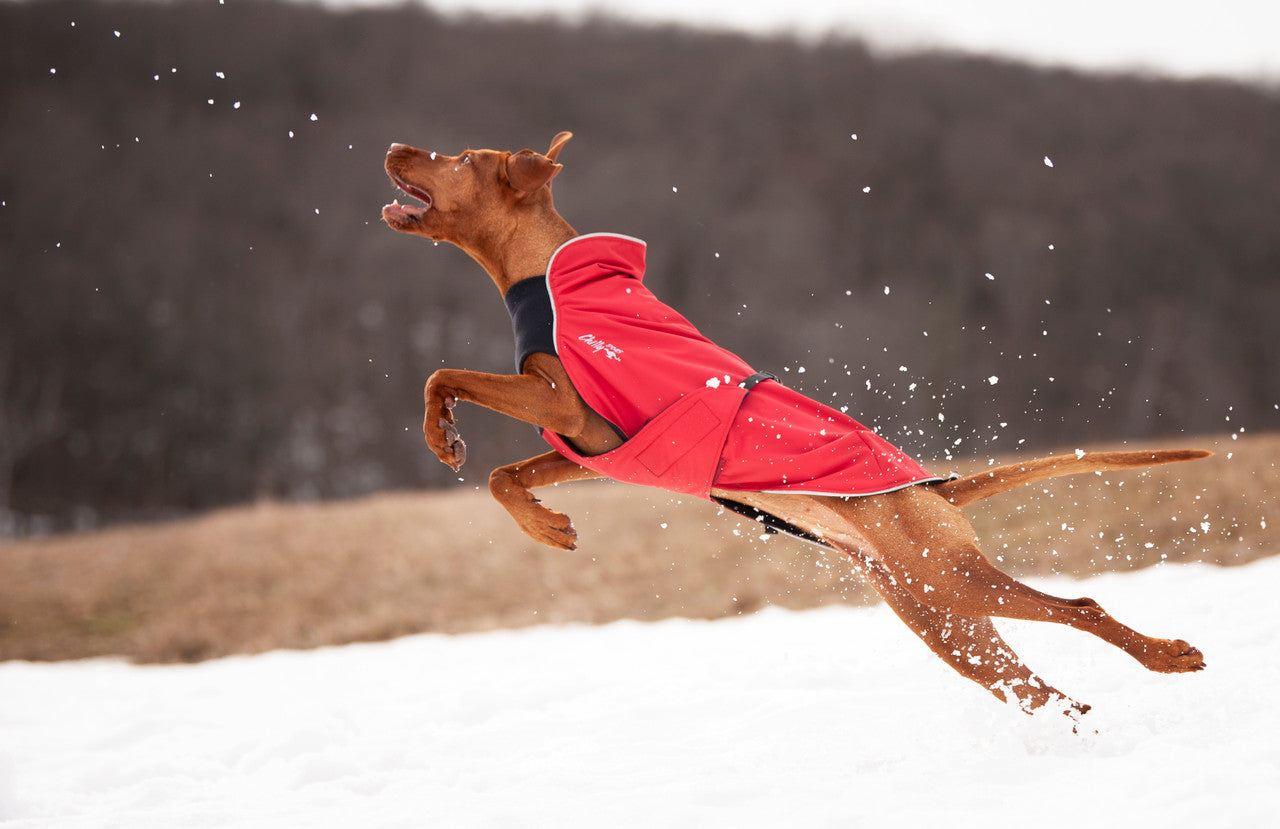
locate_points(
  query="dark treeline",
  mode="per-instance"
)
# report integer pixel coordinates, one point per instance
(199, 304)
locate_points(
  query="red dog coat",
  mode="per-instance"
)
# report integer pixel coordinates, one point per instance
(679, 401)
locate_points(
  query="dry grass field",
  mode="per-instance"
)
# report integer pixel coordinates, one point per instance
(296, 576)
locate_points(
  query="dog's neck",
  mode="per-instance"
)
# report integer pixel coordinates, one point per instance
(524, 250)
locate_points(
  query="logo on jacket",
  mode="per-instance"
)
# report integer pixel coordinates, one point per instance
(598, 345)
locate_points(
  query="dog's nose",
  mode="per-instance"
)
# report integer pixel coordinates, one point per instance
(395, 147)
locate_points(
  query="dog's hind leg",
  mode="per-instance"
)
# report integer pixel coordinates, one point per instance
(970, 645)
(930, 548)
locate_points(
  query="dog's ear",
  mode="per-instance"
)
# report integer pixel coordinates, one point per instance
(558, 143)
(527, 170)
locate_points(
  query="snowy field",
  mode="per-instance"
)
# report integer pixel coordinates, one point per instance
(834, 717)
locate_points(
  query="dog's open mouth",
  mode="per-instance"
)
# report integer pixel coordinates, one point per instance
(397, 213)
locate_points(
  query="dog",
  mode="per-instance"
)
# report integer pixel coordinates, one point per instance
(902, 528)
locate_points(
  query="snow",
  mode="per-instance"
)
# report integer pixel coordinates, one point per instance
(830, 717)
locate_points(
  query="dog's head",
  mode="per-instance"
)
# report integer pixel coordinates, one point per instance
(469, 195)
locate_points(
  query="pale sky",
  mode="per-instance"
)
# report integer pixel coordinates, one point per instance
(1235, 38)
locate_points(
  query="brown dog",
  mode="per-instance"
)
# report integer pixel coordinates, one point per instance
(913, 544)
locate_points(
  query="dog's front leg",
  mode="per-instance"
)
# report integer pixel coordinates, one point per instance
(535, 398)
(510, 487)
(441, 431)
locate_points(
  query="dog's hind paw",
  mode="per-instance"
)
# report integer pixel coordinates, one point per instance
(1171, 656)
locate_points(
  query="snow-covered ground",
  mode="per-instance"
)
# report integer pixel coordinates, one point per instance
(833, 717)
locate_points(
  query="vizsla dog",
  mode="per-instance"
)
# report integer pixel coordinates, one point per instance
(711, 425)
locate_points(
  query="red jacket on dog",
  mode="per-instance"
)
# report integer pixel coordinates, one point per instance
(693, 415)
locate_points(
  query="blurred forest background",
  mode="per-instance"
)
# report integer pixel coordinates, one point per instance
(199, 304)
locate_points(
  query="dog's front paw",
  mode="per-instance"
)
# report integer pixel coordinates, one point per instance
(543, 525)
(551, 528)
(546, 526)
(455, 446)
(441, 432)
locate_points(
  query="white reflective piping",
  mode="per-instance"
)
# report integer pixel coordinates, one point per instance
(850, 494)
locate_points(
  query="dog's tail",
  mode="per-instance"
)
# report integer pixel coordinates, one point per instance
(972, 488)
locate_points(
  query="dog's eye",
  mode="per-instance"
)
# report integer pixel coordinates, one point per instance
(466, 159)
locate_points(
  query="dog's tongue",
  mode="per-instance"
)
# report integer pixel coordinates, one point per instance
(403, 211)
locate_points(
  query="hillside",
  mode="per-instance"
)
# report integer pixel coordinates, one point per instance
(199, 306)
(271, 576)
